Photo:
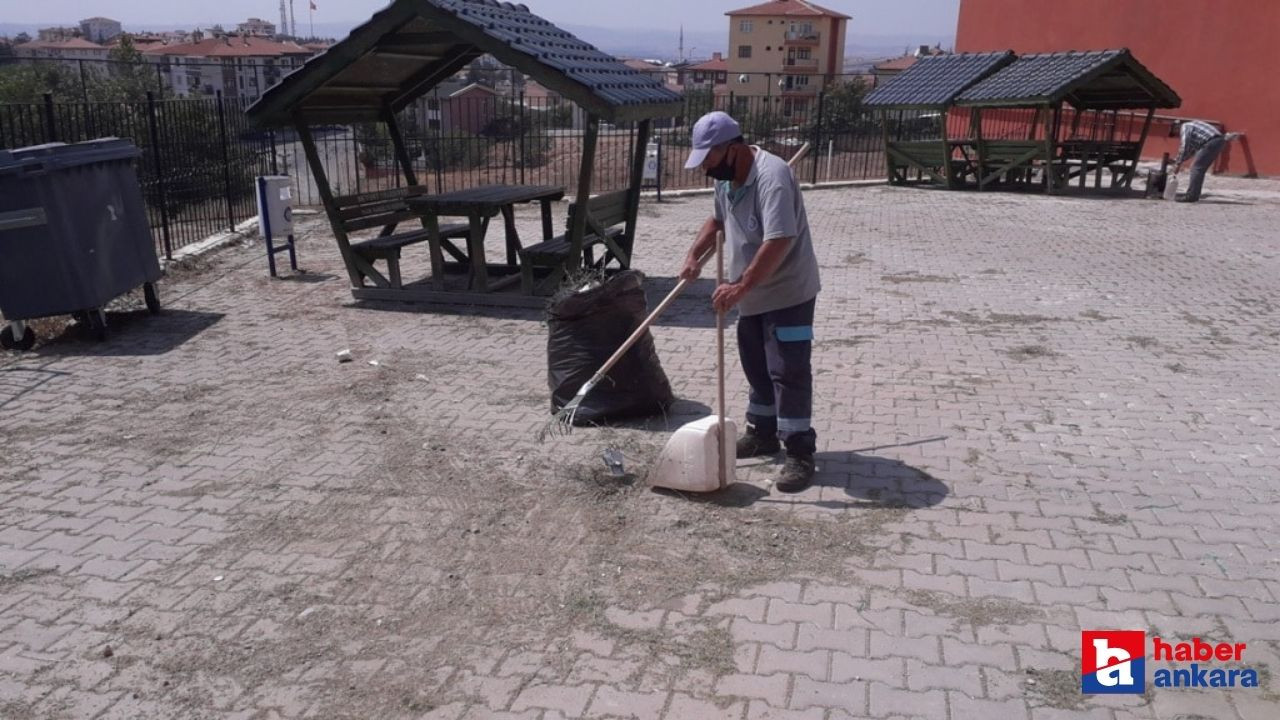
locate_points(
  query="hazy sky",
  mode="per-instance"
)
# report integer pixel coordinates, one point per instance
(870, 17)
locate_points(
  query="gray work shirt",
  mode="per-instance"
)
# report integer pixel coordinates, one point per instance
(769, 206)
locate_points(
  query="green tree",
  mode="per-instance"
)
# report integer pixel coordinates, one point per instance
(373, 143)
(29, 82)
(129, 76)
(842, 106)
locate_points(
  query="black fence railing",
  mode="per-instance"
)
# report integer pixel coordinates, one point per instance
(469, 140)
(200, 156)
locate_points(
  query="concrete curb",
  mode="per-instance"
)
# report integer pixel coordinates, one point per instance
(248, 228)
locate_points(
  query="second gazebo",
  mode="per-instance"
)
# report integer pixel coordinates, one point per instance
(1051, 118)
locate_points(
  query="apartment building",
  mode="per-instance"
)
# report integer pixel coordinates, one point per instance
(239, 66)
(75, 52)
(100, 29)
(786, 49)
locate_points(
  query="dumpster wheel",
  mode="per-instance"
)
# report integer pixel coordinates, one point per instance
(97, 324)
(151, 297)
(10, 342)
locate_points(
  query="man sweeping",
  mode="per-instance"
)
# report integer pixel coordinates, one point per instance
(773, 282)
(1203, 141)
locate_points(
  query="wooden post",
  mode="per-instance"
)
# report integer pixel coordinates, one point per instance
(946, 152)
(884, 134)
(326, 199)
(476, 227)
(975, 122)
(633, 192)
(579, 228)
(1142, 140)
(397, 141)
(1049, 127)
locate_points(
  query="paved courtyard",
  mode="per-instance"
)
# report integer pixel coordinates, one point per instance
(1036, 415)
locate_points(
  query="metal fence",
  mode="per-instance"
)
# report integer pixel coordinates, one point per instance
(200, 156)
(464, 141)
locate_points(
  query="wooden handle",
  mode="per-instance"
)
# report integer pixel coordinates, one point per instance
(644, 326)
(804, 150)
(720, 363)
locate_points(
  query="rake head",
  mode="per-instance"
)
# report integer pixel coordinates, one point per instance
(561, 424)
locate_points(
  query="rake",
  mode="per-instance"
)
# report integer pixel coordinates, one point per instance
(562, 422)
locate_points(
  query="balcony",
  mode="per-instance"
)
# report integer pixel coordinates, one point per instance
(803, 38)
(800, 90)
(800, 66)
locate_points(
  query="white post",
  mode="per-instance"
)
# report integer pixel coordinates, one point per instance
(831, 150)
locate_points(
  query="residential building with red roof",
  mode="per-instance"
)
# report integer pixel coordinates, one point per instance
(787, 50)
(705, 74)
(888, 68)
(237, 65)
(75, 51)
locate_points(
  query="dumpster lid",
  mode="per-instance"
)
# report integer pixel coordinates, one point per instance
(58, 156)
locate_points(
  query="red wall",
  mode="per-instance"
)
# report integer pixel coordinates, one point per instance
(1219, 55)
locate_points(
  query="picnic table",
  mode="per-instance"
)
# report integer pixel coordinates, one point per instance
(479, 205)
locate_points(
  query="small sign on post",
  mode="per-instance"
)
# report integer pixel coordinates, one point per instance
(275, 218)
(652, 176)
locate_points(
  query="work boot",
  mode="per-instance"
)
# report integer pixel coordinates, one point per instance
(797, 473)
(1183, 197)
(754, 443)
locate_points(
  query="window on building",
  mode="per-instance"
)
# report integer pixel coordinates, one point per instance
(803, 53)
(744, 51)
(744, 26)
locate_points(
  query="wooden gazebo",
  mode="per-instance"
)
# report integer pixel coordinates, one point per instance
(403, 52)
(1056, 117)
(913, 110)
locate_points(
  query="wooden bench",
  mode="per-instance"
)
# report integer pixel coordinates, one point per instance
(1010, 159)
(927, 157)
(606, 221)
(1080, 157)
(385, 209)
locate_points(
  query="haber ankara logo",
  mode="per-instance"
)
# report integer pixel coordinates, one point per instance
(1113, 661)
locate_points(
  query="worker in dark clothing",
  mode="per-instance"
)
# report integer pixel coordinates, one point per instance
(1203, 141)
(772, 279)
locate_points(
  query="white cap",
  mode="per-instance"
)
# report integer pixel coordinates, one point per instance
(714, 128)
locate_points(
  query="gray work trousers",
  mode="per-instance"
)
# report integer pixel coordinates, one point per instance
(775, 349)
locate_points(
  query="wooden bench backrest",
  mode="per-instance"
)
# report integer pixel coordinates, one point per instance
(376, 209)
(924, 153)
(606, 210)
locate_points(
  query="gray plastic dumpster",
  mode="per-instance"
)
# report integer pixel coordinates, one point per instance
(73, 234)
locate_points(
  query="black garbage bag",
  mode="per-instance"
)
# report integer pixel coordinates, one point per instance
(587, 327)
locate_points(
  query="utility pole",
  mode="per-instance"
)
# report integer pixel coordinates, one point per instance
(284, 19)
(293, 21)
